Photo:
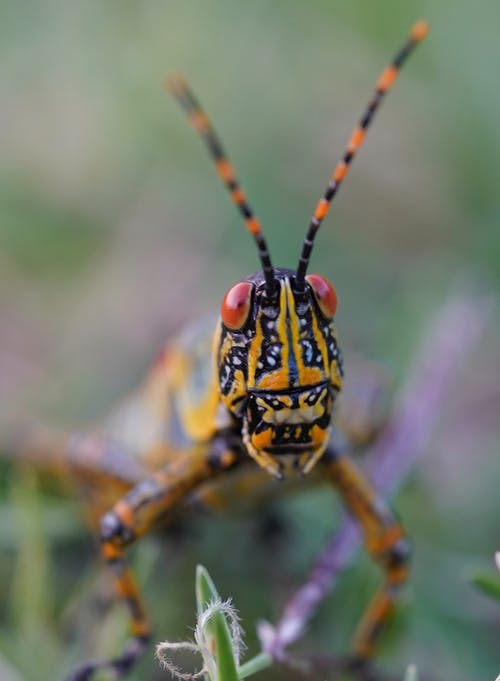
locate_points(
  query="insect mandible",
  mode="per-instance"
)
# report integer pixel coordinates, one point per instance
(263, 396)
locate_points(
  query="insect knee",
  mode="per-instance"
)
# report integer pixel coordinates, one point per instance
(113, 530)
(398, 561)
(400, 553)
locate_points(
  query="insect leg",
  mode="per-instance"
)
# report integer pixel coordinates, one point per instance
(385, 541)
(133, 516)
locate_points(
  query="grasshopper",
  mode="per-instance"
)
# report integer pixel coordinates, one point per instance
(258, 394)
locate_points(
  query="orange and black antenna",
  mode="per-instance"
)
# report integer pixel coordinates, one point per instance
(384, 84)
(200, 121)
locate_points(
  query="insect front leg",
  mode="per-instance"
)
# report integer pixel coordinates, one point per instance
(133, 516)
(385, 541)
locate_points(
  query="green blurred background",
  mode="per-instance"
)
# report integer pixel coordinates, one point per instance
(115, 231)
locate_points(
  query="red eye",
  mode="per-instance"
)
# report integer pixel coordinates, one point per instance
(326, 295)
(235, 307)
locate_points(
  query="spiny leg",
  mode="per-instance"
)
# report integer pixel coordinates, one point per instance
(384, 539)
(132, 517)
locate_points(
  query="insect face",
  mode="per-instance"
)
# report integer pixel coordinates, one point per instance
(280, 371)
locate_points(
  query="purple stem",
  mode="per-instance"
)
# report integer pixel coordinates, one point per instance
(448, 340)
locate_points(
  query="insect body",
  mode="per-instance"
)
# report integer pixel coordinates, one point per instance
(260, 393)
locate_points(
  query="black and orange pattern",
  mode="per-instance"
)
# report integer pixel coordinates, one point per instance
(225, 170)
(260, 390)
(384, 83)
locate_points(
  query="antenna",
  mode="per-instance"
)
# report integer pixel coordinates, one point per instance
(384, 84)
(200, 121)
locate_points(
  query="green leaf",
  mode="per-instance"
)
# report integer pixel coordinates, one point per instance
(216, 630)
(205, 589)
(224, 653)
(488, 584)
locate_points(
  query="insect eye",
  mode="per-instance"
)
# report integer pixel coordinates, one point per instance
(235, 307)
(325, 294)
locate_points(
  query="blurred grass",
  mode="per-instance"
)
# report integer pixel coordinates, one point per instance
(114, 231)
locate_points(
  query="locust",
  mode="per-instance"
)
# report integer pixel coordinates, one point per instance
(253, 398)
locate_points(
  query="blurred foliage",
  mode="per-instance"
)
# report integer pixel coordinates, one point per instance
(488, 584)
(114, 231)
